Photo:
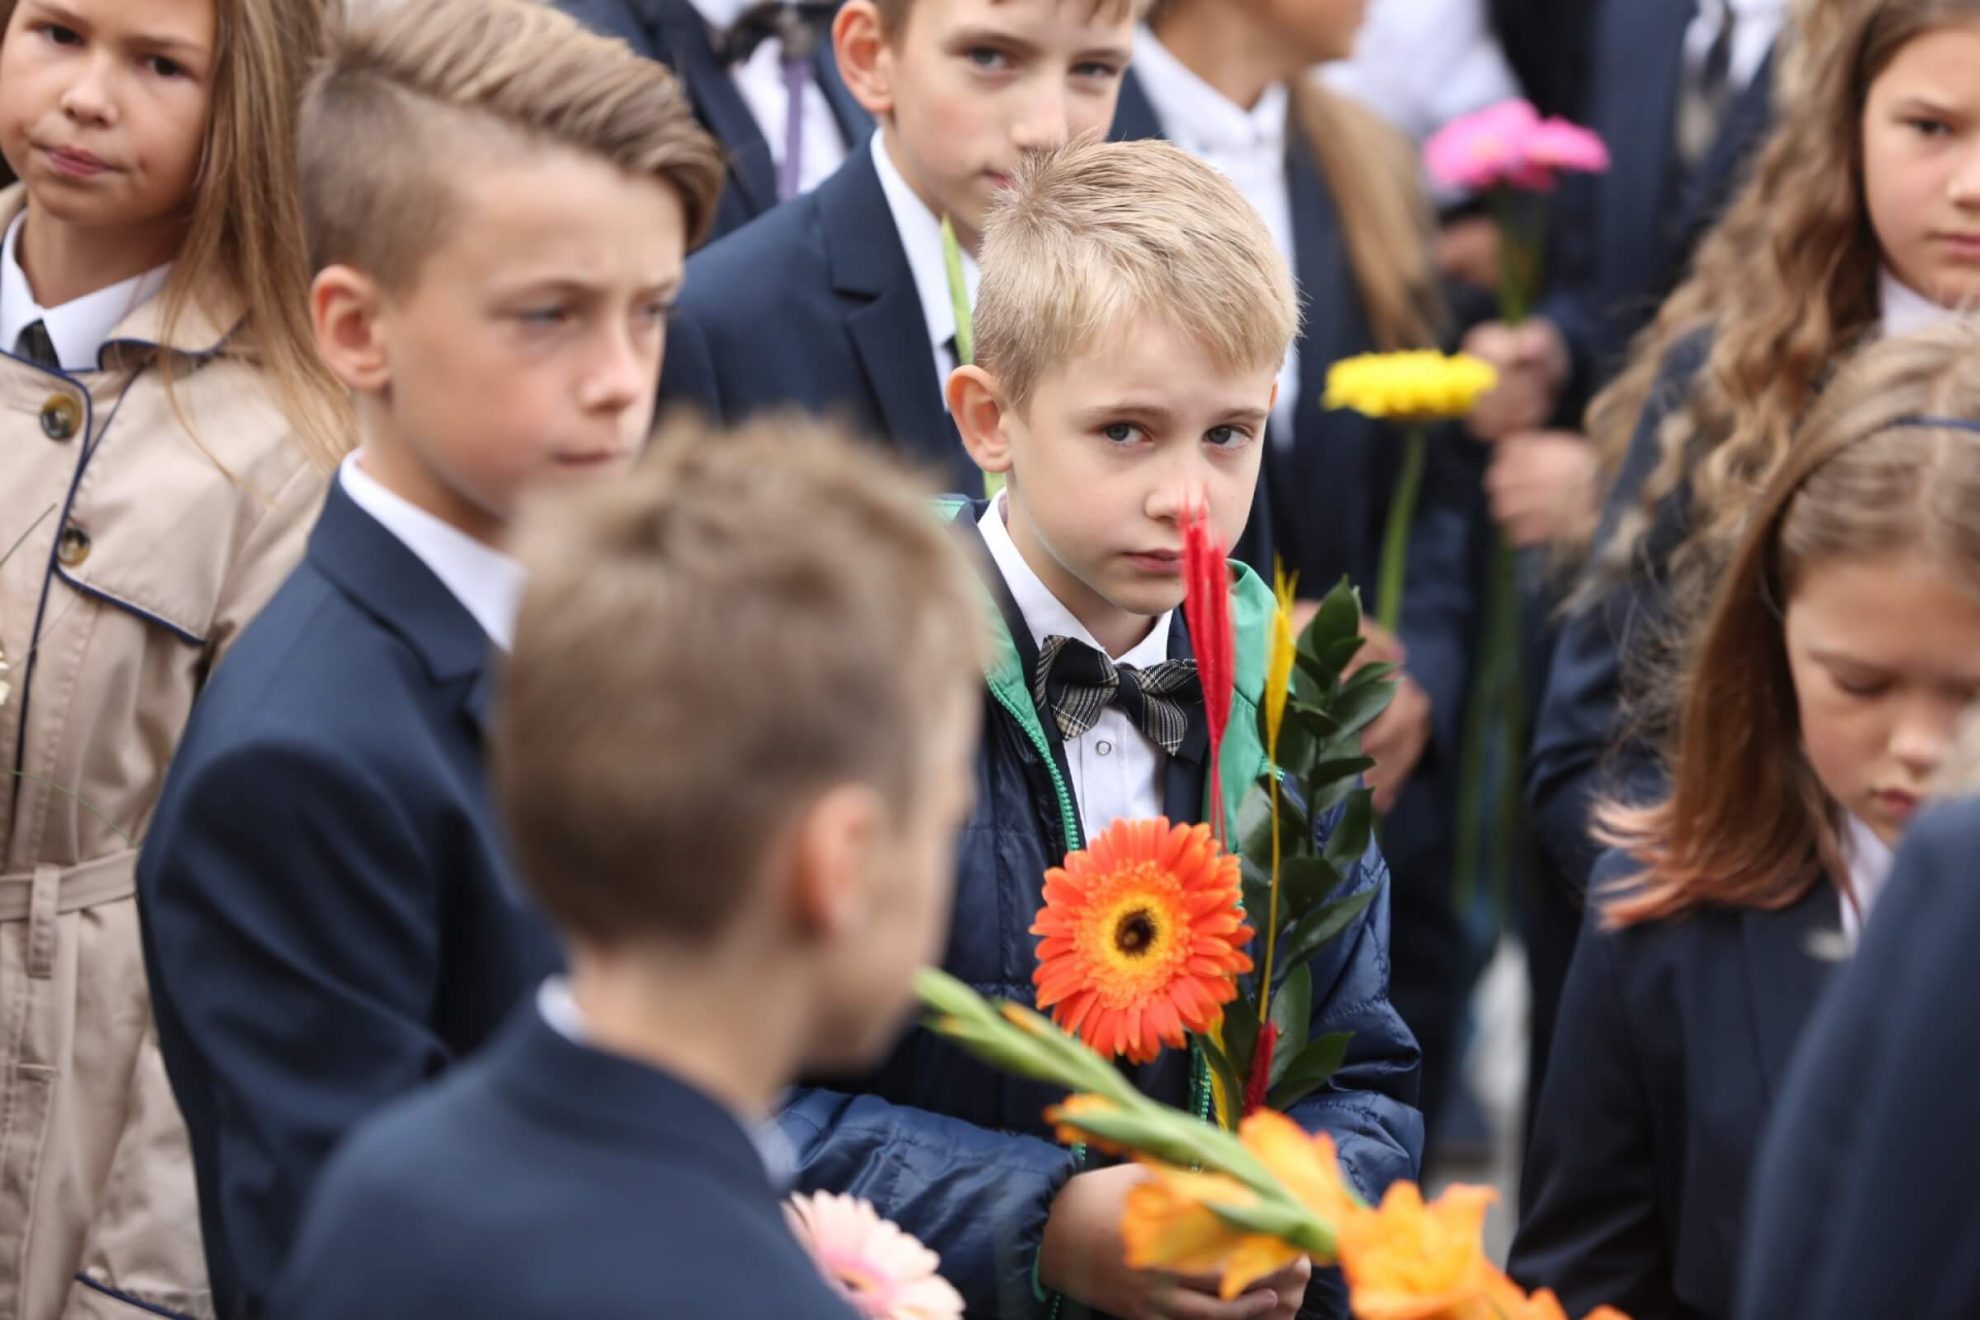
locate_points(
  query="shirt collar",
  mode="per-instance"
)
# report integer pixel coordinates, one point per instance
(78, 328)
(720, 14)
(1869, 860)
(1197, 115)
(921, 238)
(1905, 310)
(486, 582)
(1044, 613)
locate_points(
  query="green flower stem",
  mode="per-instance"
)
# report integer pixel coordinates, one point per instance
(1395, 535)
(965, 323)
(1497, 705)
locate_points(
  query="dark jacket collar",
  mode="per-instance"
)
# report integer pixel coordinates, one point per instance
(1789, 954)
(686, 46)
(582, 1094)
(388, 581)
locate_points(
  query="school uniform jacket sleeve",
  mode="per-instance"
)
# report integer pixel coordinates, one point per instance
(251, 883)
(1591, 1228)
(269, 550)
(1576, 755)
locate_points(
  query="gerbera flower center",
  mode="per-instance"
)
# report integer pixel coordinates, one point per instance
(1136, 932)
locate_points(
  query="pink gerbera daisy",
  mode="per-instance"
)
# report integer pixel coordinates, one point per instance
(884, 1273)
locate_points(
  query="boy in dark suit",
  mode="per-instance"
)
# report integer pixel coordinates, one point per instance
(1135, 316)
(741, 64)
(843, 301)
(328, 918)
(743, 897)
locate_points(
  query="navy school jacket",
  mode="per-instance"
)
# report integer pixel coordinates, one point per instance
(673, 32)
(958, 1153)
(329, 919)
(1671, 1051)
(1862, 1199)
(1583, 746)
(1623, 239)
(546, 1181)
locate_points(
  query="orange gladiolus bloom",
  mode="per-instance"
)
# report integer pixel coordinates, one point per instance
(1409, 1261)
(1143, 938)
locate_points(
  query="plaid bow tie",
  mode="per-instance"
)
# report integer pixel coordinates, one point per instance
(1077, 684)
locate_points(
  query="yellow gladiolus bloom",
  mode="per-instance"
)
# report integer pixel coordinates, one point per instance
(1420, 386)
(1279, 657)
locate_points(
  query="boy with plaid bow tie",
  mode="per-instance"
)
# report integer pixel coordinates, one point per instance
(1133, 315)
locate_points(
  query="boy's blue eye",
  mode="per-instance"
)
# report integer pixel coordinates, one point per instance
(1096, 70)
(987, 57)
(1120, 433)
(545, 316)
(62, 36)
(1225, 437)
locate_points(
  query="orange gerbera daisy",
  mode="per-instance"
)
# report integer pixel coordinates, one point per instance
(1143, 938)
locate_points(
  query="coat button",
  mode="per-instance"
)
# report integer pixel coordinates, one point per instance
(60, 417)
(73, 547)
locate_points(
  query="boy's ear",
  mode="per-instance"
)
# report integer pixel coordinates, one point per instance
(865, 55)
(977, 404)
(832, 857)
(345, 307)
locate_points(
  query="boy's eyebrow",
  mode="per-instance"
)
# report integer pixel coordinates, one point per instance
(964, 38)
(667, 288)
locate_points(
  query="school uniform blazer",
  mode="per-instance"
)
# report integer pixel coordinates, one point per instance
(547, 1181)
(674, 33)
(1671, 1051)
(1622, 239)
(1863, 1196)
(329, 920)
(814, 307)
(1583, 748)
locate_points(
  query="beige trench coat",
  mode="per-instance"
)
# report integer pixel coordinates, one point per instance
(143, 549)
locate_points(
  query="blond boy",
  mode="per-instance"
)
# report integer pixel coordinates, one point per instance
(733, 751)
(498, 206)
(1132, 319)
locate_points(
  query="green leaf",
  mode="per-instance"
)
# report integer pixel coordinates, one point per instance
(1226, 1071)
(1299, 747)
(1241, 1036)
(1169, 1135)
(1306, 1074)
(1282, 1219)
(1254, 821)
(1292, 1014)
(1351, 833)
(1360, 703)
(1323, 924)
(1339, 655)
(1335, 794)
(1338, 618)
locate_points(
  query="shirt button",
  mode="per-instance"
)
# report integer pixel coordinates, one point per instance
(73, 548)
(1104, 747)
(60, 416)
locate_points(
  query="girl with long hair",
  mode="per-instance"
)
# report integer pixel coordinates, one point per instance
(1838, 654)
(1863, 215)
(166, 437)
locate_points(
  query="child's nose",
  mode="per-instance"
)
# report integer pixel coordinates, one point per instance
(1042, 124)
(89, 98)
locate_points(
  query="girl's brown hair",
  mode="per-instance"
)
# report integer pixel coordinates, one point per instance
(1746, 823)
(1786, 284)
(243, 249)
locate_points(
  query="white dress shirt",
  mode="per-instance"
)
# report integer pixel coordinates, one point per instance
(1116, 768)
(921, 237)
(486, 582)
(78, 328)
(1906, 311)
(1422, 63)
(1756, 25)
(1247, 146)
(760, 80)
(1869, 860)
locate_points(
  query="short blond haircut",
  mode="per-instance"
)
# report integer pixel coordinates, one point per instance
(747, 620)
(894, 13)
(410, 85)
(1092, 235)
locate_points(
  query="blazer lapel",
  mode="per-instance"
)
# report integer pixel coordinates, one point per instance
(1186, 775)
(888, 330)
(1787, 960)
(1636, 91)
(1711, 187)
(717, 104)
(1134, 114)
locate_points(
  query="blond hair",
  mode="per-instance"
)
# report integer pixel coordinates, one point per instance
(1785, 285)
(1747, 823)
(894, 13)
(1093, 234)
(744, 622)
(406, 84)
(243, 251)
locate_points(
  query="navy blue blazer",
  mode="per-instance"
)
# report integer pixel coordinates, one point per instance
(1863, 1196)
(1623, 239)
(544, 1181)
(1584, 746)
(814, 306)
(328, 916)
(1671, 1051)
(674, 33)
